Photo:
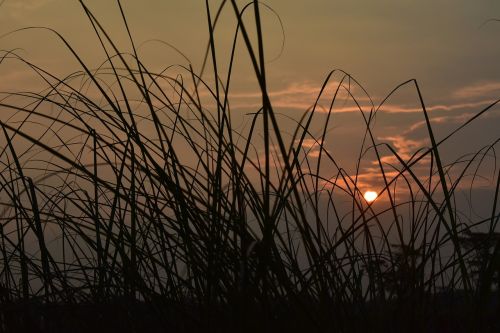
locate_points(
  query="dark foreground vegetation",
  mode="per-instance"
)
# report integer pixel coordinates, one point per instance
(438, 314)
(129, 203)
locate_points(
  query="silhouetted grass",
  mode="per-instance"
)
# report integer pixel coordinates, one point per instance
(130, 202)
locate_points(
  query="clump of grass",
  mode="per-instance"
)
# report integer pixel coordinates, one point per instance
(132, 190)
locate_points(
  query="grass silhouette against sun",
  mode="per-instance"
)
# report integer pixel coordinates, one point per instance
(128, 193)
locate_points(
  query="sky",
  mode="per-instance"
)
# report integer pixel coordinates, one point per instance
(448, 46)
(443, 44)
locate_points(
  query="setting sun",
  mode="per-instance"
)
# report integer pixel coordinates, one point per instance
(370, 196)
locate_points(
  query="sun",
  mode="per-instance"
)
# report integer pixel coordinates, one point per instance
(370, 196)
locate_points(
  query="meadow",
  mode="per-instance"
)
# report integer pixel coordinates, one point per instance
(130, 201)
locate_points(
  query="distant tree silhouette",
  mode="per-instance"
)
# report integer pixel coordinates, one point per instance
(401, 276)
(484, 263)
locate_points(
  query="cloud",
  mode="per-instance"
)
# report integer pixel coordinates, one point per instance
(406, 138)
(302, 96)
(311, 147)
(437, 107)
(481, 89)
(404, 147)
(454, 119)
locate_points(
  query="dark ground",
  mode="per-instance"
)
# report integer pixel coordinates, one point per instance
(441, 314)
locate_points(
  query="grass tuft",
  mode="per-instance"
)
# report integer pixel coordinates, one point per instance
(132, 194)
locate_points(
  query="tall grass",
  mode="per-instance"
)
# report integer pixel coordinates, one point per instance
(124, 186)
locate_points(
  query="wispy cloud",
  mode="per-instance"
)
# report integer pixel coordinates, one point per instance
(404, 147)
(302, 96)
(480, 89)
(437, 107)
(311, 147)
(449, 119)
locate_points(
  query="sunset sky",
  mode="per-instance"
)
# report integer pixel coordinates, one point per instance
(445, 45)
(381, 43)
